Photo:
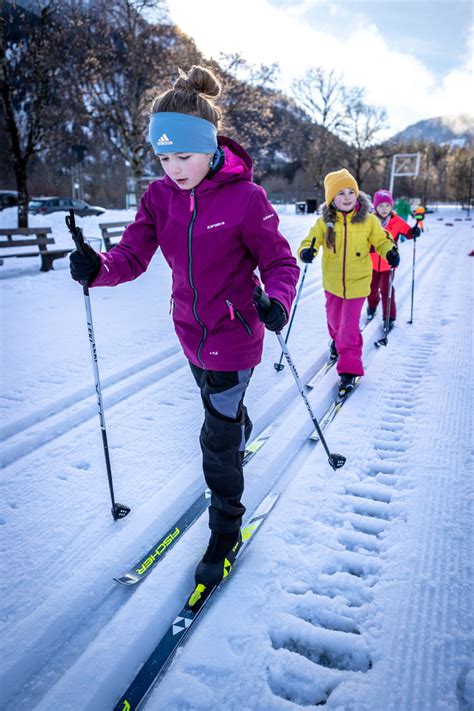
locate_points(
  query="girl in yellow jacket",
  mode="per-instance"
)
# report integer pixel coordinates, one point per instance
(346, 231)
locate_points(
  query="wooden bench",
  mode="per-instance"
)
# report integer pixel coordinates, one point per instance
(112, 233)
(14, 238)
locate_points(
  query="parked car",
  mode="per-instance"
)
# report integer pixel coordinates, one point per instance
(47, 205)
(8, 198)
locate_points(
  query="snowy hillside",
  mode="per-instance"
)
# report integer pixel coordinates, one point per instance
(456, 130)
(356, 594)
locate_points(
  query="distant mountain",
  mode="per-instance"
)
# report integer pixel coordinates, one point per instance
(456, 130)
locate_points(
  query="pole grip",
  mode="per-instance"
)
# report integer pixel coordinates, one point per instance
(76, 232)
(78, 238)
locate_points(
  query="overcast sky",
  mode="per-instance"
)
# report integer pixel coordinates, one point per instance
(414, 58)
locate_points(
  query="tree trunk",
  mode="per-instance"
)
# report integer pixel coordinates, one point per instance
(137, 172)
(358, 172)
(22, 188)
(20, 159)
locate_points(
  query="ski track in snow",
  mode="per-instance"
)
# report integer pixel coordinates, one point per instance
(312, 592)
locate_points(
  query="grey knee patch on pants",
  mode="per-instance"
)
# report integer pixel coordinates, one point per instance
(224, 432)
(227, 403)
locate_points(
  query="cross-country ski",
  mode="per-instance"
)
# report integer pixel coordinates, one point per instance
(236, 288)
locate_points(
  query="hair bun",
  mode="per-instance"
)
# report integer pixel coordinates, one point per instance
(199, 80)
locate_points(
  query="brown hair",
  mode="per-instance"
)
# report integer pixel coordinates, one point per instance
(330, 218)
(192, 93)
(330, 236)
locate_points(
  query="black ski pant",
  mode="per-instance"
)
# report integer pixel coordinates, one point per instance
(225, 431)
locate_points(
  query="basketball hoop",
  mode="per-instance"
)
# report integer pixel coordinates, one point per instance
(404, 165)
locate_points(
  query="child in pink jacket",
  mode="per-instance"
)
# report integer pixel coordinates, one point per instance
(214, 227)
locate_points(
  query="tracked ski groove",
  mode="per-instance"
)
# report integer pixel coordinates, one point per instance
(150, 560)
(41, 415)
(43, 431)
(184, 622)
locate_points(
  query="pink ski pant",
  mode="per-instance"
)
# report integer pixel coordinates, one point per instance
(343, 316)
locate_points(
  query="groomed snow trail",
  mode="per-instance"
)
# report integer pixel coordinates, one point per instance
(358, 589)
(360, 596)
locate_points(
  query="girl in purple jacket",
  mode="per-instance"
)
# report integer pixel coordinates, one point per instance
(214, 227)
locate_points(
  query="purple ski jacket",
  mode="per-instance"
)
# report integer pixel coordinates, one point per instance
(213, 238)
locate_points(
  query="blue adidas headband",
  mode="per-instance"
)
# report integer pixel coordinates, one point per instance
(181, 133)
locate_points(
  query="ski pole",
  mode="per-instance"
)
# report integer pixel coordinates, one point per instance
(335, 460)
(383, 341)
(118, 510)
(413, 280)
(279, 366)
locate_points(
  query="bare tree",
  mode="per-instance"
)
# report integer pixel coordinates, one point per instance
(459, 169)
(340, 117)
(248, 104)
(326, 101)
(362, 124)
(34, 85)
(128, 62)
(325, 98)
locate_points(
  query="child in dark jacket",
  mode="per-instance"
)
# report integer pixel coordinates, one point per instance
(383, 206)
(214, 226)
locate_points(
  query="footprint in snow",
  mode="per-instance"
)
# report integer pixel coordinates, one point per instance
(84, 465)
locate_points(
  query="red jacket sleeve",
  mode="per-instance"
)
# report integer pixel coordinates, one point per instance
(397, 226)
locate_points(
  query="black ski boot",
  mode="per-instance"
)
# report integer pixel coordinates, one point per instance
(333, 354)
(391, 324)
(346, 384)
(218, 559)
(370, 313)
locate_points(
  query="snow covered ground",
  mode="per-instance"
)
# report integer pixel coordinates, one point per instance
(357, 593)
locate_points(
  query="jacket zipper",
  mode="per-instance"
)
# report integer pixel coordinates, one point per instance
(234, 312)
(344, 257)
(193, 210)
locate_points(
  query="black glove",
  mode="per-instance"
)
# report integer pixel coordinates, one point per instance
(307, 255)
(393, 258)
(415, 230)
(275, 317)
(84, 267)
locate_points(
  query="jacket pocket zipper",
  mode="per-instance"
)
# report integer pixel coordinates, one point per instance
(235, 312)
